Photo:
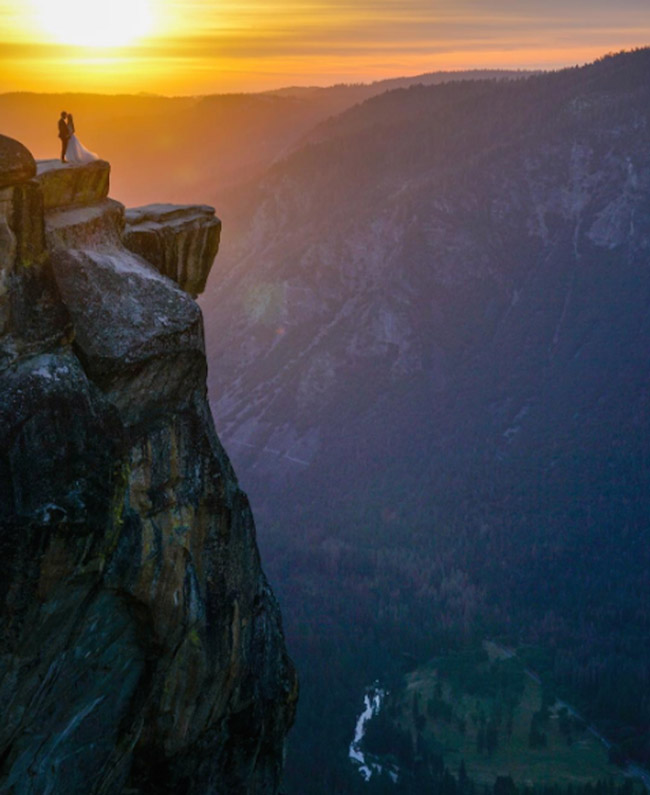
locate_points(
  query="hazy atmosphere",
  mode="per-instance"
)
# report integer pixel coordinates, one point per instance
(325, 397)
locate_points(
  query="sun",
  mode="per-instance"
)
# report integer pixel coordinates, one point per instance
(95, 23)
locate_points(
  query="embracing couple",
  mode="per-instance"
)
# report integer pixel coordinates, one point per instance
(70, 144)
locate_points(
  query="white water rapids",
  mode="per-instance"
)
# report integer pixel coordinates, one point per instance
(372, 704)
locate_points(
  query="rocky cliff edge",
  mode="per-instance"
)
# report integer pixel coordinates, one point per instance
(141, 647)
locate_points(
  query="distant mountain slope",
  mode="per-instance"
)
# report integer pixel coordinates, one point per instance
(428, 201)
(183, 148)
(362, 91)
(430, 336)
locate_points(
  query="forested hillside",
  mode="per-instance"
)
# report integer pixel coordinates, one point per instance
(428, 338)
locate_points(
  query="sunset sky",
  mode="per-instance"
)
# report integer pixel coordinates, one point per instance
(213, 46)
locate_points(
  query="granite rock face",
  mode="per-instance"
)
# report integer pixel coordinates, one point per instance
(67, 185)
(181, 242)
(16, 162)
(32, 317)
(98, 225)
(142, 649)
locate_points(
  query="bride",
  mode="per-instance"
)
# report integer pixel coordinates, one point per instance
(76, 151)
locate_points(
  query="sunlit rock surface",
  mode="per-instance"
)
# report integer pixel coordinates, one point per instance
(181, 241)
(66, 185)
(16, 162)
(141, 648)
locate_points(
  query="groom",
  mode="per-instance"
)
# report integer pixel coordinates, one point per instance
(64, 135)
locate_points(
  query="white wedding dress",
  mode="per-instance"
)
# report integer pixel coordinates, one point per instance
(77, 152)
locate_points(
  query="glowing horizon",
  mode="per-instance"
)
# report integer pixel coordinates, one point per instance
(94, 23)
(202, 47)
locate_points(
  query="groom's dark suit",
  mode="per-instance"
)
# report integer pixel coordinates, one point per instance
(64, 135)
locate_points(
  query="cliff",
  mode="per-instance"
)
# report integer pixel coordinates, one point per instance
(142, 648)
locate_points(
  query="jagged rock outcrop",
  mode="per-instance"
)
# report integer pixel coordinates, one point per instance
(142, 649)
(177, 240)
